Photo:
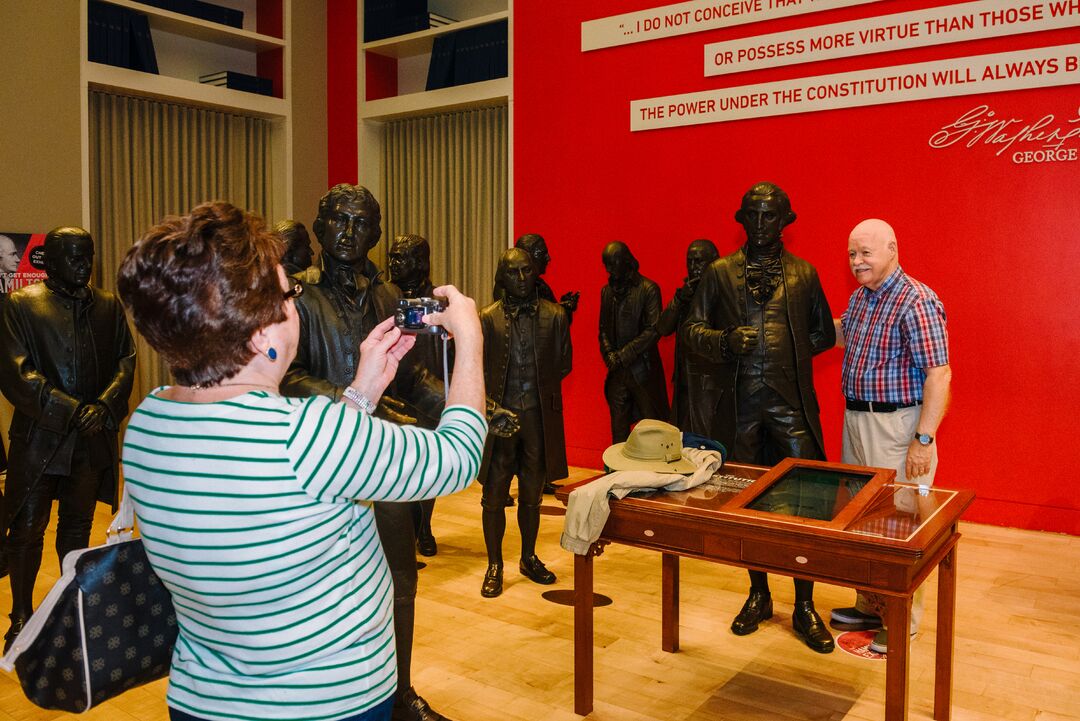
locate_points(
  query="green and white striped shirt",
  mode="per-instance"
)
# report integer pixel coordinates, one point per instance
(247, 511)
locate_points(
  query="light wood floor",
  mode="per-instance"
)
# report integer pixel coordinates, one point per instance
(511, 658)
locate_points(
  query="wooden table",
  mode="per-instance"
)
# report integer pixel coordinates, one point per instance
(885, 538)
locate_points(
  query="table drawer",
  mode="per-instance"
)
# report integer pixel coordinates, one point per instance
(809, 561)
(669, 537)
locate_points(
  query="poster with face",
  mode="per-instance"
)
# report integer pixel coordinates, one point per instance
(21, 260)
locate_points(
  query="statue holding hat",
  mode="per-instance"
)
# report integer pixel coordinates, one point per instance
(761, 314)
(527, 353)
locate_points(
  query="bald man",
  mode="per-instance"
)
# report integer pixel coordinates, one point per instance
(895, 380)
(9, 255)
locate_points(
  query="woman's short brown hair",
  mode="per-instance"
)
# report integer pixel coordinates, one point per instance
(198, 286)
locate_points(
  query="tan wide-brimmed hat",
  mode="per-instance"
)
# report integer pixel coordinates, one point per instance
(652, 446)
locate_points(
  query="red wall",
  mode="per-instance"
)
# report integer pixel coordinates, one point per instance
(341, 116)
(996, 240)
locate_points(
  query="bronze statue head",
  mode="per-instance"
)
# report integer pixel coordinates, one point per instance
(409, 261)
(699, 255)
(765, 212)
(518, 275)
(620, 263)
(348, 223)
(534, 245)
(69, 257)
(297, 245)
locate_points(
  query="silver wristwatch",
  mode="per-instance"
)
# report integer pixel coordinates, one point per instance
(359, 399)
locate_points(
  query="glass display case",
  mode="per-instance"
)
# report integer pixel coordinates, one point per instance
(835, 496)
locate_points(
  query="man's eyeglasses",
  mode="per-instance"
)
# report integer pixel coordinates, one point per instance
(295, 292)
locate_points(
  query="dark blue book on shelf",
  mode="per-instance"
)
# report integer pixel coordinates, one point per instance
(441, 66)
(481, 53)
(216, 13)
(143, 56)
(202, 10)
(109, 37)
(469, 56)
(119, 36)
(97, 33)
(388, 18)
(239, 81)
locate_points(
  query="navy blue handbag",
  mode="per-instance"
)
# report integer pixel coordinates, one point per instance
(106, 626)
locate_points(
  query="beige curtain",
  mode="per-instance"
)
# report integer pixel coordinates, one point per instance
(149, 159)
(445, 178)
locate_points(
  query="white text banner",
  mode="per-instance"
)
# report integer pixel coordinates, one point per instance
(919, 28)
(1017, 70)
(695, 16)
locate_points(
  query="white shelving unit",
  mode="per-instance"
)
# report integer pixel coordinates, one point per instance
(473, 95)
(419, 43)
(108, 77)
(191, 27)
(412, 53)
(187, 47)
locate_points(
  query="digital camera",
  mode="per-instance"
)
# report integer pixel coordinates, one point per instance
(410, 313)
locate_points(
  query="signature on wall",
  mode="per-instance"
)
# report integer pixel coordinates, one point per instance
(1045, 140)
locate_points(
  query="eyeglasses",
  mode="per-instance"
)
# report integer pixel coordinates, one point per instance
(295, 292)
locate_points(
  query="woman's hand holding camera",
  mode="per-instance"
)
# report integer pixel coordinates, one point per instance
(380, 354)
(459, 318)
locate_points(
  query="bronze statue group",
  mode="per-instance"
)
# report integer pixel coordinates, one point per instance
(747, 326)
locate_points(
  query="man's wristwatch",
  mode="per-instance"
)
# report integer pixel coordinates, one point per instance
(359, 399)
(924, 438)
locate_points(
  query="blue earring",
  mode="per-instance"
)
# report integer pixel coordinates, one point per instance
(271, 353)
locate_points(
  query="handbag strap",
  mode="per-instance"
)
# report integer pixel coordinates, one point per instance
(123, 523)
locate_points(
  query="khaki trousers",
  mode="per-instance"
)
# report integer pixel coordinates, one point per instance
(881, 440)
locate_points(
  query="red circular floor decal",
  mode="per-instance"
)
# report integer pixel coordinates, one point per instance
(857, 643)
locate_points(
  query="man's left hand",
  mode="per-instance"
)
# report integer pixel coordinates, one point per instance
(570, 300)
(395, 411)
(504, 423)
(685, 292)
(90, 419)
(918, 460)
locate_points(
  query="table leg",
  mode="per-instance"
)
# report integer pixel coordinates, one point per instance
(946, 622)
(583, 634)
(670, 614)
(898, 621)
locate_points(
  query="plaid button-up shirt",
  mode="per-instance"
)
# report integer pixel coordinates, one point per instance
(892, 334)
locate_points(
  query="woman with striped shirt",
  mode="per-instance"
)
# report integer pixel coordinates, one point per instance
(252, 506)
